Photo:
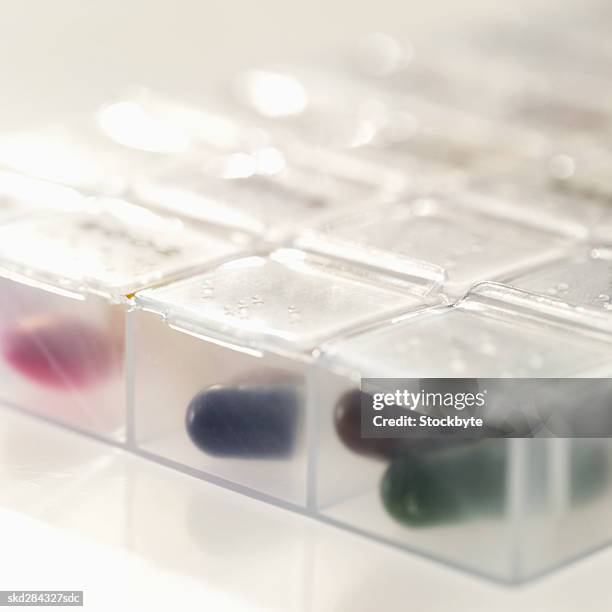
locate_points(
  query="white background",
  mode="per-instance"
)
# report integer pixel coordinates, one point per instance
(75, 514)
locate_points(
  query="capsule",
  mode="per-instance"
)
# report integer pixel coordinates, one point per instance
(62, 354)
(250, 421)
(463, 483)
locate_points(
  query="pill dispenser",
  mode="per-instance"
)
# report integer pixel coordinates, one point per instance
(101, 152)
(581, 280)
(67, 278)
(456, 233)
(20, 194)
(267, 191)
(228, 395)
(418, 138)
(529, 193)
(551, 101)
(509, 508)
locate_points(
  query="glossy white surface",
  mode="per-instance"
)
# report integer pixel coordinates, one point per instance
(76, 514)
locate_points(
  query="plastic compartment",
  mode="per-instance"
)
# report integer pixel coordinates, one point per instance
(506, 508)
(461, 74)
(528, 195)
(101, 153)
(271, 189)
(20, 194)
(66, 279)
(581, 167)
(423, 142)
(583, 280)
(228, 397)
(466, 243)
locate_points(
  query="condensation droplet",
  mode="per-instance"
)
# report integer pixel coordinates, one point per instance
(295, 315)
(207, 290)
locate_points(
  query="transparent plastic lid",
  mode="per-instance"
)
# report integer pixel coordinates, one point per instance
(284, 298)
(582, 166)
(73, 153)
(454, 70)
(467, 244)
(402, 132)
(526, 193)
(99, 153)
(109, 246)
(496, 332)
(263, 191)
(582, 279)
(544, 43)
(20, 194)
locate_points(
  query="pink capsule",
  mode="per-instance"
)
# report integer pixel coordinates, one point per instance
(60, 353)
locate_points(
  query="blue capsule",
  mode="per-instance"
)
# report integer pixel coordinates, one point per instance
(249, 421)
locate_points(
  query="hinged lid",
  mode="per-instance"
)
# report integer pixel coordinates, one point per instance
(495, 332)
(464, 244)
(108, 246)
(286, 298)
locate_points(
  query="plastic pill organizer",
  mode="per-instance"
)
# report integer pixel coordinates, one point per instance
(208, 289)
(554, 100)
(241, 410)
(66, 279)
(20, 194)
(422, 141)
(509, 509)
(198, 164)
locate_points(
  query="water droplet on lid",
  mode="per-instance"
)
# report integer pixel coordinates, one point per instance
(562, 167)
(551, 291)
(603, 297)
(295, 314)
(562, 286)
(257, 300)
(207, 290)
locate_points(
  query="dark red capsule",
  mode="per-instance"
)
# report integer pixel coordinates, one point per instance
(59, 353)
(347, 420)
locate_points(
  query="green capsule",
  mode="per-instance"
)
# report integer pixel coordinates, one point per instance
(427, 489)
(463, 483)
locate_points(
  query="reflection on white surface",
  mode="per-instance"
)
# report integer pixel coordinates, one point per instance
(273, 94)
(33, 193)
(265, 162)
(118, 526)
(379, 54)
(128, 124)
(54, 157)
